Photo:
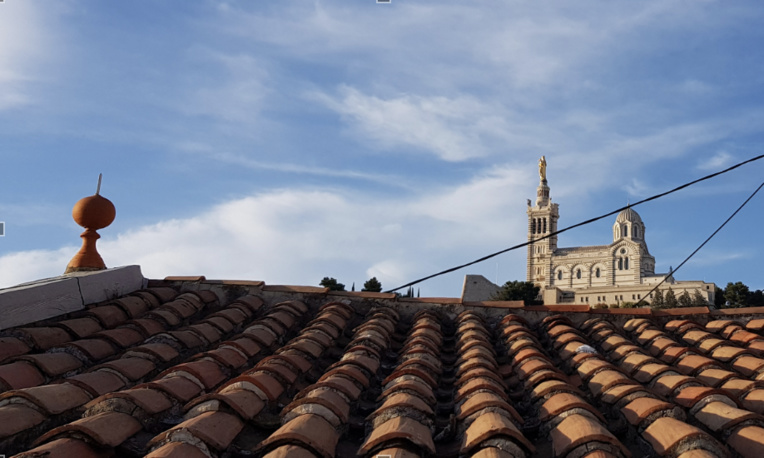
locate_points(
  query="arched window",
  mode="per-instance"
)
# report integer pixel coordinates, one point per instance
(544, 226)
(620, 263)
(635, 231)
(597, 272)
(626, 263)
(578, 273)
(625, 231)
(559, 274)
(533, 225)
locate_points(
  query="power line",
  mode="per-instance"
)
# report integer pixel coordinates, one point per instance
(583, 223)
(703, 244)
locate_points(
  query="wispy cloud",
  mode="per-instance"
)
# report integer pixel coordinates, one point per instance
(716, 162)
(25, 44)
(451, 128)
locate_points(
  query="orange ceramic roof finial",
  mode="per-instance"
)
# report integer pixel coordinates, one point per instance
(93, 213)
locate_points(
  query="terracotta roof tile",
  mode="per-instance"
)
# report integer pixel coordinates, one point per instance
(20, 374)
(106, 429)
(489, 426)
(669, 436)
(177, 450)
(479, 384)
(710, 344)
(322, 401)
(620, 395)
(110, 316)
(206, 331)
(216, 429)
(481, 400)
(65, 448)
(169, 317)
(692, 364)
(748, 365)
(150, 400)
(51, 399)
(642, 411)
(660, 345)
(132, 369)
(209, 373)
(719, 416)
(564, 402)
(754, 401)
(607, 379)
(146, 326)
(672, 354)
(417, 388)
(97, 383)
(43, 338)
(587, 365)
(261, 334)
(715, 377)
(53, 364)
(244, 403)
(399, 429)
(135, 305)
(690, 396)
(665, 386)
(81, 327)
(748, 441)
(179, 388)
(122, 337)
(94, 349)
(404, 400)
(246, 345)
(269, 385)
(309, 431)
(295, 451)
(577, 430)
(12, 346)
(738, 386)
(649, 372)
(159, 351)
(18, 417)
(646, 337)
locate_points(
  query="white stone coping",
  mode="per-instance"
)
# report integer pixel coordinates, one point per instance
(49, 297)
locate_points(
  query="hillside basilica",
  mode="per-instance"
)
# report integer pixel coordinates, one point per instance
(622, 271)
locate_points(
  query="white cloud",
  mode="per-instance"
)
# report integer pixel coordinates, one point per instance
(25, 34)
(454, 129)
(233, 93)
(716, 162)
(300, 236)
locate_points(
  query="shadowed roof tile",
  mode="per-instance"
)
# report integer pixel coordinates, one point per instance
(65, 448)
(310, 431)
(396, 429)
(52, 399)
(107, 429)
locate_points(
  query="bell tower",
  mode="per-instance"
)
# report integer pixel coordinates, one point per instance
(542, 221)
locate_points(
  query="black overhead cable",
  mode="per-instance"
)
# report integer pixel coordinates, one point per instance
(583, 223)
(641, 301)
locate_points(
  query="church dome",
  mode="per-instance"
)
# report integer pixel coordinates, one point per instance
(628, 216)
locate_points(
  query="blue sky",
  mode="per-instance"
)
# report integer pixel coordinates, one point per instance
(288, 141)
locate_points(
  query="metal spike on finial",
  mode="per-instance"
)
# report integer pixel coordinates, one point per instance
(98, 189)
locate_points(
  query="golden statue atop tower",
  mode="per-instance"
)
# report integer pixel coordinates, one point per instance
(542, 168)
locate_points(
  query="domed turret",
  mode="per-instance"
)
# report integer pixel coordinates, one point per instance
(629, 225)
